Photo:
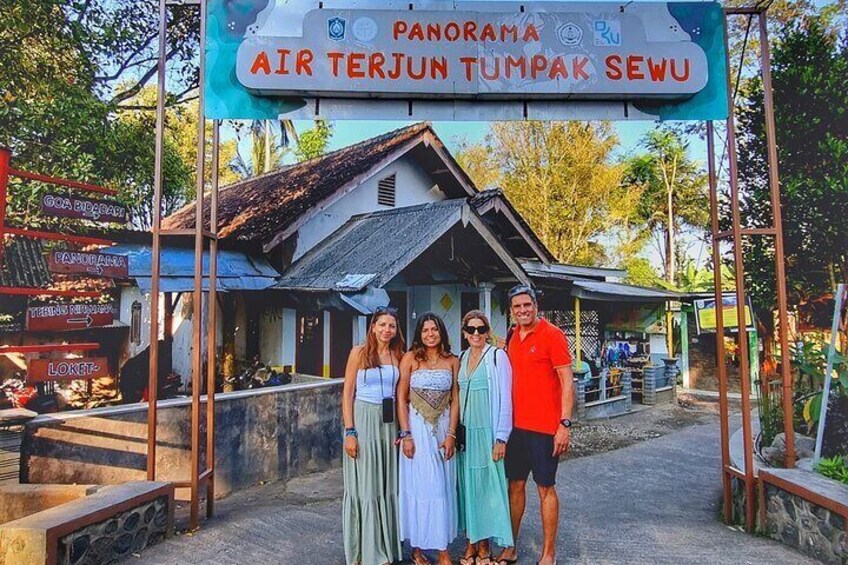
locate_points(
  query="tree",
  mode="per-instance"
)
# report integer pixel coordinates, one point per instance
(313, 143)
(810, 79)
(561, 178)
(673, 191)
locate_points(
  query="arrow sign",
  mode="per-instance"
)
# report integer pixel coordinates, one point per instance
(62, 206)
(98, 264)
(40, 370)
(68, 316)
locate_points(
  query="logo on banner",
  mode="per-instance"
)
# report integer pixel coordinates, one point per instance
(336, 29)
(570, 34)
(365, 29)
(607, 33)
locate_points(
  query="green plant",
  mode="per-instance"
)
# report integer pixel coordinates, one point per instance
(834, 468)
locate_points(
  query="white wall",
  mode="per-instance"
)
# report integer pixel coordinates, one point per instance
(413, 186)
(271, 336)
(289, 336)
(500, 321)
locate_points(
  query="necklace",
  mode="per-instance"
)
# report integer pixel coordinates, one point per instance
(432, 362)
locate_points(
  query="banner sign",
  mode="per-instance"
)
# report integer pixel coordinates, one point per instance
(68, 316)
(705, 314)
(664, 60)
(40, 370)
(96, 264)
(62, 206)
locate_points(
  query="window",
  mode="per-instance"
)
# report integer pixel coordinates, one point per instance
(135, 324)
(386, 191)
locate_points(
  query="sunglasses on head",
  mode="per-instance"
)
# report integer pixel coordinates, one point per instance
(386, 310)
(521, 289)
(484, 329)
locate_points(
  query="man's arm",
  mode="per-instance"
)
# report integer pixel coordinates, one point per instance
(563, 434)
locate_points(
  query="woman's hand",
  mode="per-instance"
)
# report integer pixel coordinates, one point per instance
(498, 451)
(351, 446)
(408, 447)
(449, 445)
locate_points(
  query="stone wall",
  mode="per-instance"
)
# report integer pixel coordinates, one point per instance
(816, 531)
(118, 537)
(261, 435)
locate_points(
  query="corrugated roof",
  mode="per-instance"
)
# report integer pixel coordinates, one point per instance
(481, 201)
(608, 291)
(570, 272)
(371, 249)
(23, 264)
(236, 270)
(259, 208)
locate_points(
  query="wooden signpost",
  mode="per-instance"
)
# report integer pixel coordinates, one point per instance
(77, 207)
(87, 368)
(68, 316)
(85, 263)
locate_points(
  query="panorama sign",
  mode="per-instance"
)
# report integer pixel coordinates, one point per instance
(470, 55)
(664, 60)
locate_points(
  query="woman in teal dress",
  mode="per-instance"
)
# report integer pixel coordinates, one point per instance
(485, 404)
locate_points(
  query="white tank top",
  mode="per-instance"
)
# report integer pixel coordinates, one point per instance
(377, 383)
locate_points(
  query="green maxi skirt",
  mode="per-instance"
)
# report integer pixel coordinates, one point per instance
(370, 504)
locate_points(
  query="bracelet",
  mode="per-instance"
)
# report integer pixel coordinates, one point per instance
(351, 432)
(403, 434)
(451, 434)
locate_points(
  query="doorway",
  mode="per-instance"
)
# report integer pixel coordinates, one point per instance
(309, 354)
(341, 341)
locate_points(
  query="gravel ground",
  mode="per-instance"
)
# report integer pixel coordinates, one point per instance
(600, 436)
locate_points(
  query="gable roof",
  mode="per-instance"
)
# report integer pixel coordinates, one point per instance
(261, 208)
(494, 199)
(365, 252)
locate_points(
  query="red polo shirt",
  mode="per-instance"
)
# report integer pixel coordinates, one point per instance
(536, 390)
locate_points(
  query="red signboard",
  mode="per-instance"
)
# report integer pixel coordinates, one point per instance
(59, 205)
(40, 370)
(96, 264)
(68, 316)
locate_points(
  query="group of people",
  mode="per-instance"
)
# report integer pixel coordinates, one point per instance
(437, 444)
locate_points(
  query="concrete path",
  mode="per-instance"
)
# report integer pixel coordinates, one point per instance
(654, 502)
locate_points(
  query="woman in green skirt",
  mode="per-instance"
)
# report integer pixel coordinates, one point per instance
(485, 405)
(370, 504)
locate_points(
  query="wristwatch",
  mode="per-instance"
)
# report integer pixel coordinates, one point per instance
(499, 440)
(565, 423)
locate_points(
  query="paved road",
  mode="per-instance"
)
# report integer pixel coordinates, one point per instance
(653, 502)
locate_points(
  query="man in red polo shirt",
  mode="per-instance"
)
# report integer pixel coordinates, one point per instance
(541, 403)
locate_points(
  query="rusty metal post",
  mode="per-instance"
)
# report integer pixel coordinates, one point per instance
(153, 369)
(744, 368)
(779, 263)
(197, 318)
(721, 368)
(212, 299)
(5, 159)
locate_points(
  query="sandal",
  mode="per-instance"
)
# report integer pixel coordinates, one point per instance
(468, 560)
(483, 560)
(420, 559)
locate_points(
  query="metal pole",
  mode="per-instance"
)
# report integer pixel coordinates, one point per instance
(153, 374)
(720, 362)
(831, 352)
(779, 262)
(5, 158)
(212, 299)
(744, 369)
(197, 321)
(578, 340)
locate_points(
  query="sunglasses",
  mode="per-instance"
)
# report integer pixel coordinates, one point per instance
(476, 329)
(521, 289)
(386, 310)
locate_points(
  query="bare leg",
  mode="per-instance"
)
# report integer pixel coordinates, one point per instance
(444, 557)
(517, 501)
(470, 552)
(483, 549)
(549, 503)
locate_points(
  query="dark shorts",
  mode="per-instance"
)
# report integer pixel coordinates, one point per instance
(528, 451)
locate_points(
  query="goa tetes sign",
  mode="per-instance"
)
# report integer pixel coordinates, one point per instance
(662, 60)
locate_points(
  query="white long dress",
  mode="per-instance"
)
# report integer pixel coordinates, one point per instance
(428, 505)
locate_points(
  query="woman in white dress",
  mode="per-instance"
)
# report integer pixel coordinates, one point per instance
(428, 413)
